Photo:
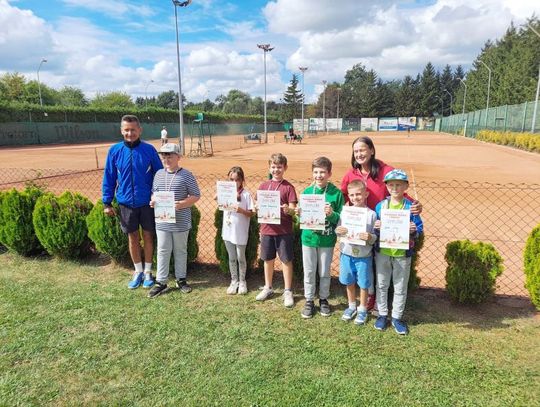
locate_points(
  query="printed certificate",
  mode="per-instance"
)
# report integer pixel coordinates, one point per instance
(355, 220)
(226, 195)
(164, 210)
(395, 228)
(312, 214)
(269, 207)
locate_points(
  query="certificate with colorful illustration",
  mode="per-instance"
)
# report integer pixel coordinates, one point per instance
(395, 228)
(269, 207)
(226, 195)
(164, 209)
(355, 220)
(312, 214)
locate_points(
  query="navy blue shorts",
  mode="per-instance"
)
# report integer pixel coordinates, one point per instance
(280, 244)
(132, 218)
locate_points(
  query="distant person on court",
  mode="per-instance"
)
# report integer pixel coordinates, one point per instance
(173, 237)
(371, 171)
(318, 245)
(129, 171)
(278, 239)
(394, 264)
(164, 135)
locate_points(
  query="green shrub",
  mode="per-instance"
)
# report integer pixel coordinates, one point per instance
(16, 227)
(531, 260)
(60, 224)
(193, 245)
(472, 270)
(298, 264)
(106, 234)
(414, 280)
(251, 248)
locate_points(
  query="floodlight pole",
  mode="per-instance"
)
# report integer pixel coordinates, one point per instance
(324, 105)
(464, 99)
(451, 101)
(177, 3)
(146, 94)
(537, 89)
(303, 69)
(442, 105)
(43, 60)
(266, 48)
(489, 86)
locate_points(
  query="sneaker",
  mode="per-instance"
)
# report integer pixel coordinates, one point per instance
(348, 314)
(183, 286)
(242, 288)
(361, 318)
(148, 280)
(288, 299)
(400, 326)
(136, 281)
(264, 294)
(325, 308)
(370, 302)
(381, 323)
(233, 288)
(157, 289)
(309, 310)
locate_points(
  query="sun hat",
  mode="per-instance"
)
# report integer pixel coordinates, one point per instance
(396, 175)
(170, 148)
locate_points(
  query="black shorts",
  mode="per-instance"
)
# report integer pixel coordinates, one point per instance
(132, 218)
(282, 244)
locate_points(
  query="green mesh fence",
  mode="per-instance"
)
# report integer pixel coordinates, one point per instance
(501, 118)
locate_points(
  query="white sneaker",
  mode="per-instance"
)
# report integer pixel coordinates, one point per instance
(264, 294)
(242, 288)
(232, 288)
(288, 299)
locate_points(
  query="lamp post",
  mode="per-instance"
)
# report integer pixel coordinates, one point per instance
(146, 94)
(537, 88)
(324, 105)
(266, 48)
(489, 86)
(464, 99)
(442, 105)
(177, 3)
(451, 101)
(338, 90)
(43, 60)
(303, 69)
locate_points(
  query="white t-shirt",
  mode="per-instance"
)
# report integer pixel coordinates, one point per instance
(164, 133)
(236, 225)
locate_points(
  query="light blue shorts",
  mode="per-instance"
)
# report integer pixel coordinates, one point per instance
(355, 270)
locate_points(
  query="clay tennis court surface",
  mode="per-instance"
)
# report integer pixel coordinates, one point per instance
(469, 189)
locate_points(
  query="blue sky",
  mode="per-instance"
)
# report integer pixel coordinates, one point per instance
(129, 45)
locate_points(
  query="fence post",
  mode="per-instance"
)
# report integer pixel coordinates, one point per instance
(505, 115)
(524, 116)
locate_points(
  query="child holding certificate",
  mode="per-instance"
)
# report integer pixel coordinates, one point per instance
(318, 245)
(397, 228)
(235, 232)
(356, 244)
(276, 227)
(174, 191)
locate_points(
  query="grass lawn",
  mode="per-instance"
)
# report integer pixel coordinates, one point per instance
(74, 334)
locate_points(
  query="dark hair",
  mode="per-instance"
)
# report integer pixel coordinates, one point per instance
(240, 174)
(322, 162)
(130, 118)
(375, 164)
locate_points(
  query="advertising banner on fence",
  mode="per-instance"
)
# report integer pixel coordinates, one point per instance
(405, 123)
(369, 124)
(297, 125)
(388, 124)
(425, 123)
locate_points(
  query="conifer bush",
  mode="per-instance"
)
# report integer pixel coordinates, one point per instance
(472, 270)
(414, 280)
(16, 227)
(106, 234)
(193, 245)
(531, 259)
(298, 263)
(60, 224)
(251, 248)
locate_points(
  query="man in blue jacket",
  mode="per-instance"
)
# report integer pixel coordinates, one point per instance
(129, 172)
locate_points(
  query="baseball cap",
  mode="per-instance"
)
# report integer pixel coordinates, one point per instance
(170, 148)
(396, 175)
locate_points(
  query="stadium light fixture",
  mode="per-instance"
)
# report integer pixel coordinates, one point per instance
(324, 105)
(146, 93)
(177, 3)
(451, 101)
(489, 86)
(537, 88)
(266, 48)
(43, 60)
(303, 69)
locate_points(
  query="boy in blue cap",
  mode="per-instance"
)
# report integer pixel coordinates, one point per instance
(394, 264)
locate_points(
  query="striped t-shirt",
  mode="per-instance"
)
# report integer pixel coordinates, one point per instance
(183, 184)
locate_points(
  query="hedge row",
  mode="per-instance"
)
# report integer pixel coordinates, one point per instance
(524, 141)
(23, 112)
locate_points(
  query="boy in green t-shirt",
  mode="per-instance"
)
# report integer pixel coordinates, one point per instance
(318, 245)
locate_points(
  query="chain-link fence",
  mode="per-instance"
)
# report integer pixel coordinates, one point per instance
(502, 214)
